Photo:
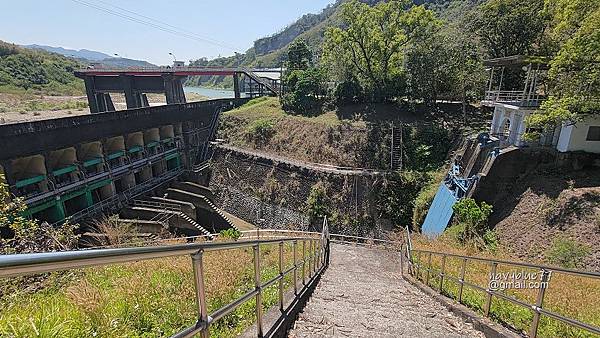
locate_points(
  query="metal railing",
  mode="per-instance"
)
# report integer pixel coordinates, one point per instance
(122, 198)
(316, 257)
(417, 266)
(518, 98)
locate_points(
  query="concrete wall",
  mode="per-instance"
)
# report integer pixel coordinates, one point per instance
(510, 122)
(30, 138)
(573, 136)
(281, 191)
(45, 161)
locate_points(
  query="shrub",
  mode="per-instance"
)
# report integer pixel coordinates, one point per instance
(490, 240)
(348, 91)
(473, 216)
(317, 203)
(231, 233)
(305, 92)
(260, 131)
(425, 198)
(397, 196)
(567, 253)
(29, 236)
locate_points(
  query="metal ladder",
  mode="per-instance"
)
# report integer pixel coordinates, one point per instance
(396, 148)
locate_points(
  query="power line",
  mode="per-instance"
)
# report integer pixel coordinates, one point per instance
(175, 31)
(220, 43)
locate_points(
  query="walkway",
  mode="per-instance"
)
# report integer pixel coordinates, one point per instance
(361, 294)
(328, 168)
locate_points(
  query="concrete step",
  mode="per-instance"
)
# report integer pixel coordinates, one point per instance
(200, 201)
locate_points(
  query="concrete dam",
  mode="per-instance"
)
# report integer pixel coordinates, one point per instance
(77, 167)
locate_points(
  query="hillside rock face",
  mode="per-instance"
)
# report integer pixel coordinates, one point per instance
(282, 39)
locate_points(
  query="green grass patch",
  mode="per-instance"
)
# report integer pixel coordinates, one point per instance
(270, 108)
(152, 298)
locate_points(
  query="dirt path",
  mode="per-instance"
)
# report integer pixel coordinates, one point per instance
(362, 295)
(309, 165)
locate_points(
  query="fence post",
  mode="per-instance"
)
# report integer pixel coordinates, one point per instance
(310, 245)
(488, 301)
(294, 245)
(200, 291)
(402, 261)
(281, 276)
(418, 264)
(462, 279)
(545, 280)
(315, 256)
(257, 283)
(303, 261)
(428, 269)
(442, 271)
(327, 248)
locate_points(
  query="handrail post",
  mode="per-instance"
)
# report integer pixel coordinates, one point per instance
(488, 301)
(428, 269)
(327, 248)
(461, 281)
(310, 244)
(315, 256)
(281, 276)
(200, 291)
(442, 271)
(257, 283)
(401, 261)
(294, 245)
(539, 302)
(303, 261)
(418, 264)
(320, 256)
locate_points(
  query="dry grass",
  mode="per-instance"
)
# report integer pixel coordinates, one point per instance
(571, 296)
(322, 139)
(144, 299)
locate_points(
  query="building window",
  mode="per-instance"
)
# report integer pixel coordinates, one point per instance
(593, 134)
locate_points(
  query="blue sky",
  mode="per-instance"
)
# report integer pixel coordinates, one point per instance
(70, 24)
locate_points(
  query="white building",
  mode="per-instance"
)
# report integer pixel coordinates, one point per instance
(513, 106)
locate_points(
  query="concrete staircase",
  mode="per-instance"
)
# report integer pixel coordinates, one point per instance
(202, 198)
(166, 214)
(194, 224)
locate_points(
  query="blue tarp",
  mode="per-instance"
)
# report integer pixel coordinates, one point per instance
(440, 212)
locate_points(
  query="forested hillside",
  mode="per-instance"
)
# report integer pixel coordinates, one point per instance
(34, 70)
(271, 51)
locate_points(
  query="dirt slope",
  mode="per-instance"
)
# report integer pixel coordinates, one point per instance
(548, 205)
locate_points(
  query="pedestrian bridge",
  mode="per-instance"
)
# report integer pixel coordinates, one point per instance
(337, 286)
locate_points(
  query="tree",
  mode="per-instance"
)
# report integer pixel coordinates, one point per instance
(299, 56)
(429, 69)
(305, 91)
(509, 27)
(575, 69)
(370, 47)
(318, 203)
(468, 74)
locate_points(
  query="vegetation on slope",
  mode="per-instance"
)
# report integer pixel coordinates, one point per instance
(152, 298)
(24, 70)
(571, 296)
